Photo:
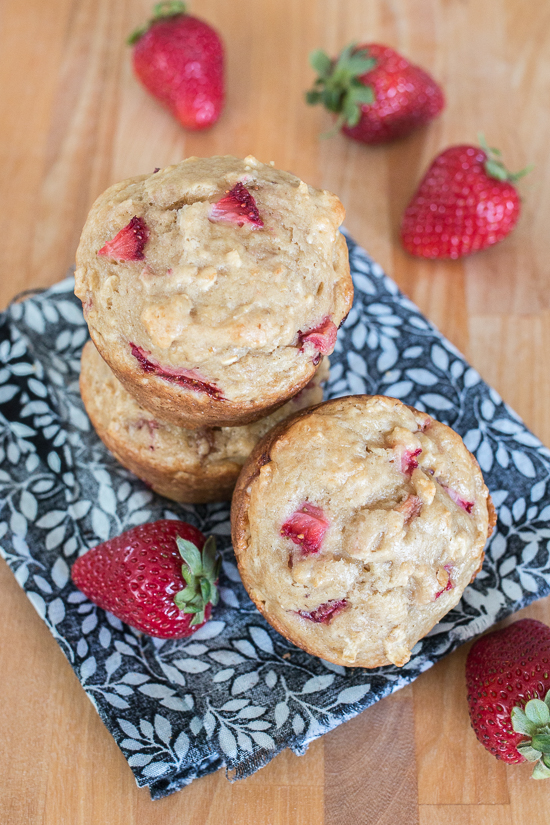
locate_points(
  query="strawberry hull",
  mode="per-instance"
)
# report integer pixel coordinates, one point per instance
(405, 99)
(375, 93)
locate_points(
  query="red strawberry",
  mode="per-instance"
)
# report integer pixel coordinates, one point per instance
(129, 243)
(323, 337)
(466, 201)
(180, 60)
(325, 612)
(306, 528)
(188, 379)
(377, 95)
(139, 576)
(508, 682)
(237, 206)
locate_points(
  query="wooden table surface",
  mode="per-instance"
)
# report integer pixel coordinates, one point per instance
(73, 121)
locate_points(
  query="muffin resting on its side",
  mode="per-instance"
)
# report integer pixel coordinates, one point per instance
(192, 466)
(212, 288)
(357, 525)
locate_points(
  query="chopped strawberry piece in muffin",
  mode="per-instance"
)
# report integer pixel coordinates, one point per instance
(454, 496)
(129, 243)
(409, 462)
(151, 426)
(188, 379)
(238, 207)
(323, 337)
(325, 612)
(306, 528)
(410, 508)
(441, 574)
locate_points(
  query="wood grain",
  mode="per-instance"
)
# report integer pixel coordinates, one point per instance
(468, 774)
(74, 121)
(370, 766)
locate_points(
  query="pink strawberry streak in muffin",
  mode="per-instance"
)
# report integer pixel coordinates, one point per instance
(306, 528)
(188, 379)
(449, 585)
(409, 462)
(322, 338)
(410, 508)
(151, 425)
(454, 496)
(325, 612)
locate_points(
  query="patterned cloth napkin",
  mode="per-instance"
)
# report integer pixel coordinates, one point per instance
(236, 693)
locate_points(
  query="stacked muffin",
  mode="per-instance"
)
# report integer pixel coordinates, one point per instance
(212, 290)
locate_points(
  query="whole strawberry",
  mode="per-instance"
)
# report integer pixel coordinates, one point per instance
(467, 201)
(508, 682)
(180, 60)
(376, 94)
(139, 576)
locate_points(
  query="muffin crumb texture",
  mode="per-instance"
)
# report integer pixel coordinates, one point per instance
(361, 528)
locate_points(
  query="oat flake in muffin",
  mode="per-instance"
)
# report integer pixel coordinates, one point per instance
(190, 466)
(357, 526)
(213, 287)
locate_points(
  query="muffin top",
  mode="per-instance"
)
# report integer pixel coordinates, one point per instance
(357, 526)
(227, 272)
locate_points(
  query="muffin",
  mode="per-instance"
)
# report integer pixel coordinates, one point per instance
(193, 466)
(357, 525)
(212, 288)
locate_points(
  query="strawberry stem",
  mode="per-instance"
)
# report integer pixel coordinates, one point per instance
(495, 168)
(534, 723)
(161, 11)
(339, 86)
(200, 573)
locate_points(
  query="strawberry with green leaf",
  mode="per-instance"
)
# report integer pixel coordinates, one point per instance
(508, 682)
(534, 724)
(466, 202)
(375, 93)
(160, 578)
